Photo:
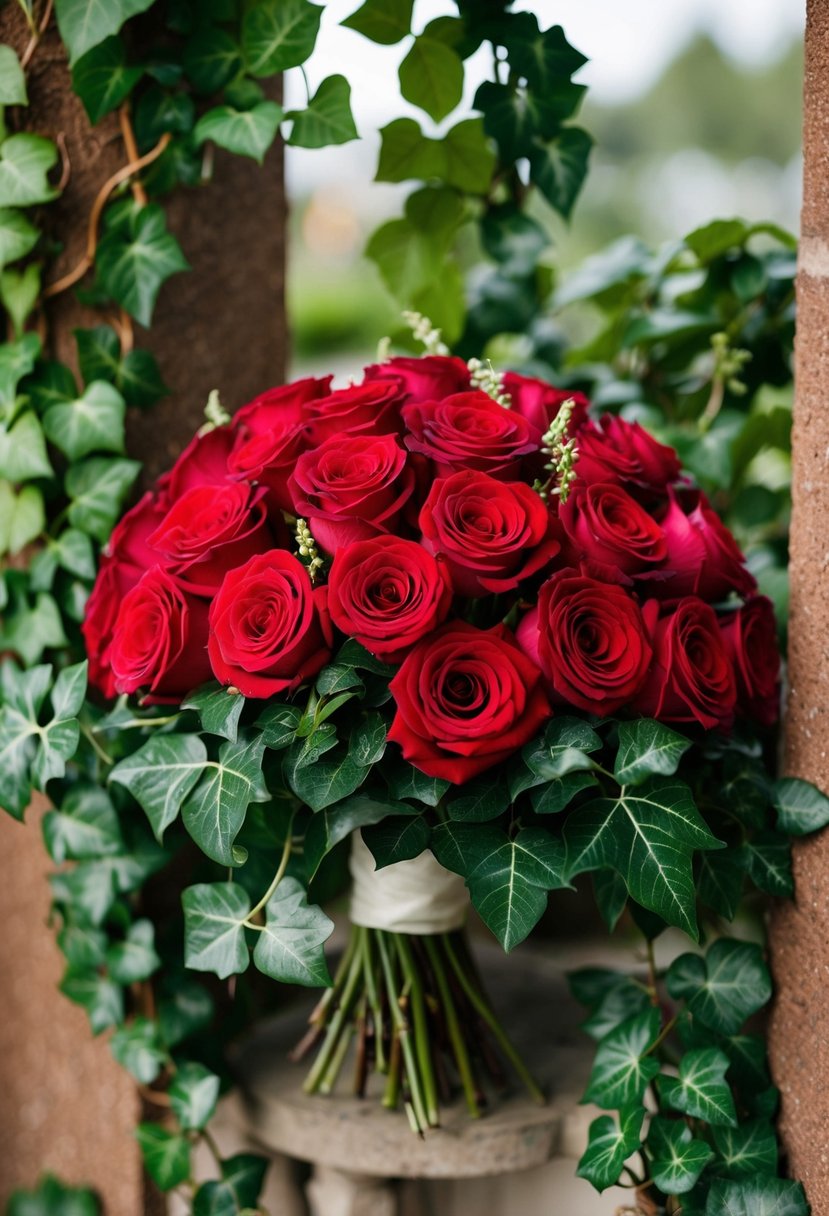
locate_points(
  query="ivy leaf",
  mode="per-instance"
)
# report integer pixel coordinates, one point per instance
(609, 1145)
(214, 929)
(431, 76)
(136, 254)
(610, 891)
(397, 838)
(17, 359)
(93, 422)
(621, 1001)
(194, 1091)
(768, 859)
(327, 120)
(484, 798)
(647, 748)
(701, 1089)
(184, 1008)
(677, 1157)
(622, 1068)
(508, 878)
(470, 159)
(278, 724)
(97, 488)
(279, 34)
(134, 958)
(756, 1197)
(32, 754)
(245, 132)
(725, 987)
(102, 78)
(23, 450)
(28, 628)
(407, 782)
(136, 1047)
(210, 59)
(85, 826)
(747, 1150)
(562, 749)
(25, 161)
(18, 235)
(166, 1155)
(83, 947)
(647, 834)
(327, 780)
(559, 168)
(801, 807)
(102, 1000)
(12, 80)
(367, 742)
(237, 1193)
(85, 23)
(161, 774)
(52, 1198)
(289, 948)
(382, 21)
(542, 56)
(720, 880)
(215, 811)
(406, 153)
(329, 827)
(136, 375)
(22, 517)
(219, 710)
(19, 291)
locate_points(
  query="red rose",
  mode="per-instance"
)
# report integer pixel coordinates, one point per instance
(750, 637)
(280, 406)
(370, 409)
(492, 534)
(539, 402)
(469, 431)
(208, 531)
(702, 556)
(466, 699)
(351, 488)
(691, 679)
(269, 627)
(589, 639)
(428, 378)
(202, 463)
(388, 594)
(620, 451)
(160, 638)
(611, 532)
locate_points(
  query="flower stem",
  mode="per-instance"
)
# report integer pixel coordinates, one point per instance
(329, 1046)
(453, 1028)
(421, 1029)
(278, 876)
(402, 1028)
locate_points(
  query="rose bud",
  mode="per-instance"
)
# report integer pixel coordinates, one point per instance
(750, 637)
(429, 378)
(491, 534)
(539, 402)
(466, 699)
(269, 627)
(351, 488)
(702, 556)
(691, 680)
(469, 431)
(388, 594)
(159, 640)
(623, 452)
(611, 532)
(370, 409)
(589, 639)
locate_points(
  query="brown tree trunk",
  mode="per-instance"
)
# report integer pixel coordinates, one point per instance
(800, 931)
(65, 1106)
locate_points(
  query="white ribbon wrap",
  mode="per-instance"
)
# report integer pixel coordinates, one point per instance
(417, 896)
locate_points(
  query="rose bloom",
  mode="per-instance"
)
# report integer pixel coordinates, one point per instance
(428, 378)
(159, 640)
(352, 488)
(469, 431)
(702, 556)
(691, 680)
(269, 627)
(369, 409)
(589, 639)
(611, 531)
(539, 402)
(750, 638)
(208, 531)
(388, 594)
(202, 463)
(466, 699)
(491, 534)
(620, 451)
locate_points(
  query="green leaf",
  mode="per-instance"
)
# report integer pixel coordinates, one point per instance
(328, 828)
(327, 120)
(136, 1047)
(28, 629)
(327, 780)
(238, 1192)
(97, 488)
(215, 811)
(17, 359)
(166, 1155)
(405, 153)
(561, 749)
(185, 1006)
(367, 742)
(714, 239)
(406, 781)
(279, 34)
(194, 1091)
(161, 774)
(801, 807)
(622, 1069)
(23, 450)
(383, 21)
(720, 880)
(398, 838)
(611, 894)
(25, 161)
(756, 1197)
(768, 859)
(211, 58)
(624, 999)
(134, 958)
(647, 834)
(513, 239)
(85, 826)
(85, 23)
(93, 422)
(102, 1000)
(139, 379)
(136, 254)
(558, 793)
(470, 158)
(18, 235)
(245, 132)
(22, 517)
(647, 748)
(214, 932)
(278, 724)
(609, 1145)
(508, 878)
(747, 1150)
(484, 798)
(102, 78)
(677, 1157)
(219, 710)
(136, 375)
(431, 76)
(19, 291)
(290, 947)
(83, 947)
(725, 987)
(30, 753)
(542, 56)
(559, 168)
(52, 1198)
(701, 1089)
(12, 80)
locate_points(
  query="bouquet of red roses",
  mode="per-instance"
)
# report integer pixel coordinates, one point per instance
(451, 617)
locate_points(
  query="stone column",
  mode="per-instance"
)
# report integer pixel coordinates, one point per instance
(800, 931)
(65, 1105)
